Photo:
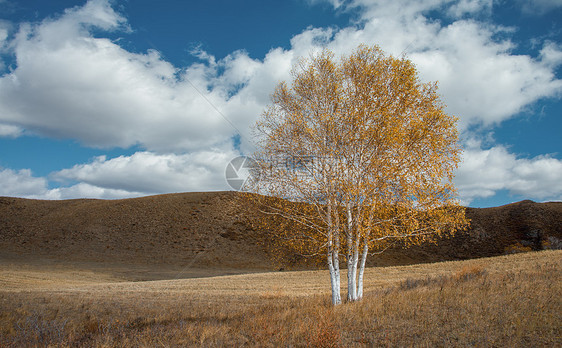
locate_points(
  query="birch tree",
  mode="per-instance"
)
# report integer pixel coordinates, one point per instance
(359, 153)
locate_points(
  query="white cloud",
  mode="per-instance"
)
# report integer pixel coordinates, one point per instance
(140, 174)
(468, 7)
(551, 54)
(540, 177)
(7, 130)
(83, 190)
(21, 184)
(538, 7)
(153, 173)
(69, 84)
(335, 3)
(484, 172)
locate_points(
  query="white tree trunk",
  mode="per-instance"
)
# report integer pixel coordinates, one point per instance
(362, 271)
(333, 266)
(352, 278)
(351, 259)
(333, 258)
(336, 256)
(352, 285)
(337, 283)
(351, 274)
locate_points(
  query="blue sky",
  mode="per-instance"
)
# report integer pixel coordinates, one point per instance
(115, 99)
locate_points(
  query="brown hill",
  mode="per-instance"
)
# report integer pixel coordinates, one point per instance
(521, 226)
(200, 229)
(213, 230)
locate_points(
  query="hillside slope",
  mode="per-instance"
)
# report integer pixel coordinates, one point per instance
(520, 226)
(200, 229)
(213, 230)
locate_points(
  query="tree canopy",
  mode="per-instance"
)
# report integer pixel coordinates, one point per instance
(362, 154)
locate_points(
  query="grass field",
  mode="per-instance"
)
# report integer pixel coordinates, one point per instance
(503, 301)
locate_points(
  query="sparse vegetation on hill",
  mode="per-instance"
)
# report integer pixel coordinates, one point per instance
(215, 231)
(196, 229)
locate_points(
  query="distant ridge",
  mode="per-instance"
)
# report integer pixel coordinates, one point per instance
(212, 229)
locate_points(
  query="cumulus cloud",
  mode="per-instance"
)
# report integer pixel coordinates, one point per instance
(69, 84)
(483, 172)
(7, 130)
(551, 54)
(140, 174)
(83, 190)
(469, 7)
(153, 173)
(21, 183)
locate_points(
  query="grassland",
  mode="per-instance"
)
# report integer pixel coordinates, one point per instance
(192, 270)
(502, 301)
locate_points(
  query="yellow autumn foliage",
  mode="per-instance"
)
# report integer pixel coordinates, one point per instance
(360, 154)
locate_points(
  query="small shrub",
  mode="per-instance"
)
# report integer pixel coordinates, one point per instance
(327, 334)
(273, 293)
(552, 243)
(469, 272)
(411, 283)
(517, 248)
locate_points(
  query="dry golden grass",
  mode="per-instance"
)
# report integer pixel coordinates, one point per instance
(511, 300)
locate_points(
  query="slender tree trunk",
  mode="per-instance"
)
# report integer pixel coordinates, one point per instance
(334, 280)
(352, 277)
(336, 299)
(352, 257)
(337, 266)
(351, 273)
(352, 285)
(362, 271)
(333, 259)
(334, 267)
